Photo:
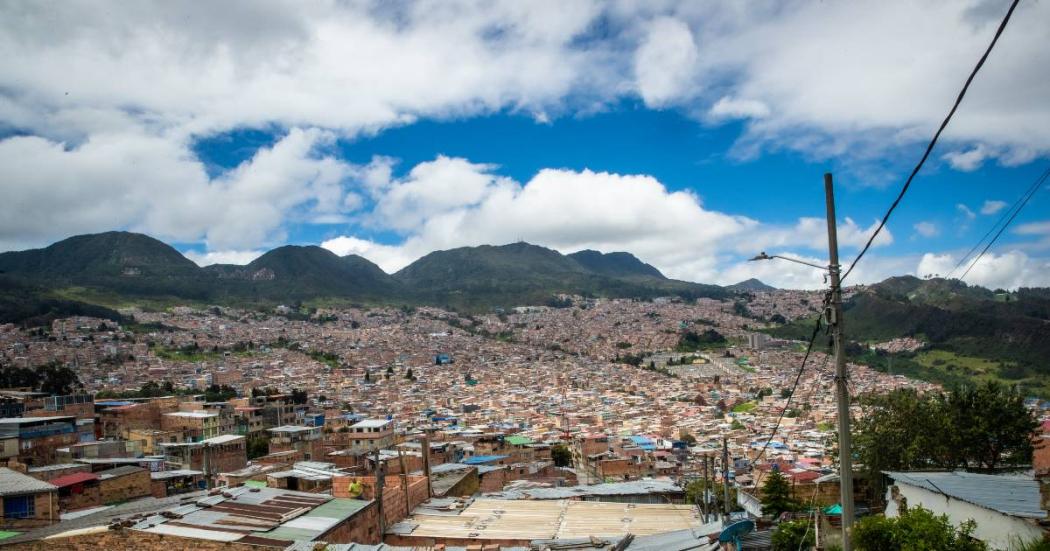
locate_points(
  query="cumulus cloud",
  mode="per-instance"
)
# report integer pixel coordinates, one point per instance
(965, 211)
(207, 258)
(452, 202)
(665, 62)
(1008, 270)
(992, 207)
(155, 185)
(926, 229)
(969, 160)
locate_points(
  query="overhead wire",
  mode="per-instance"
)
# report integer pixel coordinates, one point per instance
(1005, 215)
(1008, 222)
(933, 142)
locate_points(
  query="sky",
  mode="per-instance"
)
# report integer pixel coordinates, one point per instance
(691, 134)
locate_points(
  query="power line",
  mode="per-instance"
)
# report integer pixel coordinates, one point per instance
(794, 387)
(1006, 214)
(1008, 222)
(933, 142)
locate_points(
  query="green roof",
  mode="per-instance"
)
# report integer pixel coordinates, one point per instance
(519, 440)
(255, 483)
(4, 534)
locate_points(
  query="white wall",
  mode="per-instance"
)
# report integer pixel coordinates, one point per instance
(999, 531)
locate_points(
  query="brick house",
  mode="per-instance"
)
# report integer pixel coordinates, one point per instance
(25, 501)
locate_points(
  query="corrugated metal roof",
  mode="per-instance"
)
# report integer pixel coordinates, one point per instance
(1011, 495)
(16, 483)
(71, 479)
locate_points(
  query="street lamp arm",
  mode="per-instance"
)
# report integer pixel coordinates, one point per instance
(764, 256)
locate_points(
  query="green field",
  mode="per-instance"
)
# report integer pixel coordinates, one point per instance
(954, 365)
(746, 407)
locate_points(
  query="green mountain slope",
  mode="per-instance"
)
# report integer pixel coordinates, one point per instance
(520, 273)
(750, 285)
(1007, 334)
(617, 264)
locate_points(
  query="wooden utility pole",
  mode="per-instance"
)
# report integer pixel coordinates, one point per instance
(725, 477)
(834, 319)
(426, 463)
(380, 481)
(706, 489)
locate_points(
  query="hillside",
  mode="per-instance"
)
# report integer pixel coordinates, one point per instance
(1007, 335)
(520, 273)
(118, 268)
(617, 264)
(750, 285)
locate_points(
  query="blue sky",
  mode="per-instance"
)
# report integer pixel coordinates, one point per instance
(690, 135)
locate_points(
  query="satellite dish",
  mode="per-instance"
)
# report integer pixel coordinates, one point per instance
(733, 532)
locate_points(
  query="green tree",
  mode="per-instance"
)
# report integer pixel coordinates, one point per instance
(561, 455)
(914, 529)
(258, 445)
(794, 535)
(299, 396)
(776, 495)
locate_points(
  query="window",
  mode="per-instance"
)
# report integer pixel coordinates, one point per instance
(19, 507)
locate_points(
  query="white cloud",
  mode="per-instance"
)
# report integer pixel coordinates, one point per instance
(992, 207)
(1009, 270)
(969, 160)
(965, 211)
(451, 202)
(155, 185)
(665, 62)
(207, 258)
(735, 108)
(927, 229)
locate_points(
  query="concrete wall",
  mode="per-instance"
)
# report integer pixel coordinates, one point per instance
(999, 531)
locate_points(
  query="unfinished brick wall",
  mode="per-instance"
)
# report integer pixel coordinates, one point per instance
(395, 507)
(123, 488)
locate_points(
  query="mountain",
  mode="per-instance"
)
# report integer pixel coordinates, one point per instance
(521, 273)
(302, 273)
(750, 285)
(973, 333)
(618, 264)
(117, 268)
(110, 254)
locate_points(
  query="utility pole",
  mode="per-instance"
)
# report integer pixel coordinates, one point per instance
(834, 319)
(706, 488)
(725, 478)
(206, 451)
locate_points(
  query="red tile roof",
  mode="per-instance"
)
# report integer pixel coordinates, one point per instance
(71, 479)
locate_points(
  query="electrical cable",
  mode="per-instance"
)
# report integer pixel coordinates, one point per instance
(1001, 219)
(1007, 224)
(933, 142)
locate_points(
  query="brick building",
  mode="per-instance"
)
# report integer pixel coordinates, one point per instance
(25, 501)
(35, 440)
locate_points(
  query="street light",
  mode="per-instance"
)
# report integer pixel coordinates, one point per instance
(833, 315)
(763, 256)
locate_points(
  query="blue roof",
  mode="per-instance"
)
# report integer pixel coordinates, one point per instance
(114, 403)
(479, 459)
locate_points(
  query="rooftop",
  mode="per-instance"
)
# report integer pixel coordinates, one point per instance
(16, 483)
(371, 424)
(1011, 495)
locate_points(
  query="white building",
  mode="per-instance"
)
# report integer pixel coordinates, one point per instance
(1005, 508)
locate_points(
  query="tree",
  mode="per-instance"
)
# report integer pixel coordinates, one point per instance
(914, 525)
(409, 375)
(689, 439)
(776, 495)
(794, 535)
(299, 396)
(974, 427)
(258, 446)
(216, 393)
(561, 455)
(694, 494)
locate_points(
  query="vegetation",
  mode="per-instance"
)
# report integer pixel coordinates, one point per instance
(561, 455)
(257, 445)
(915, 528)
(970, 427)
(691, 341)
(776, 496)
(794, 535)
(987, 338)
(745, 407)
(694, 493)
(52, 378)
